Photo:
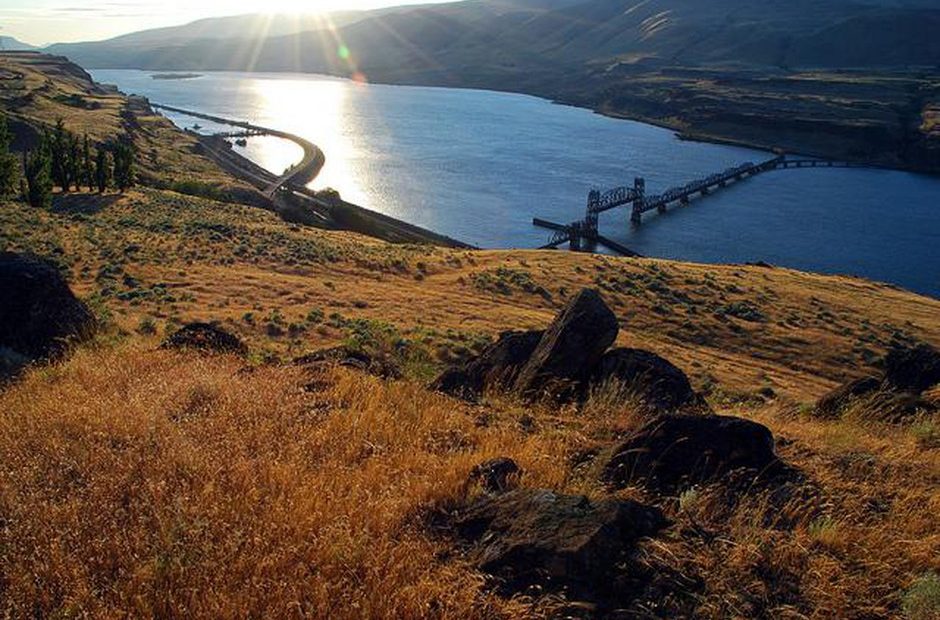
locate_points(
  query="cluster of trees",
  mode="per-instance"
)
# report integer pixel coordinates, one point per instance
(65, 161)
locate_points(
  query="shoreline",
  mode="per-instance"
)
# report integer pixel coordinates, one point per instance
(679, 128)
(293, 201)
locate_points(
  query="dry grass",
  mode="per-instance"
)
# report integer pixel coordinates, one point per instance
(159, 258)
(153, 483)
(172, 486)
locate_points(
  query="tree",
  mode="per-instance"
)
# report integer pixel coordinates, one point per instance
(123, 165)
(88, 166)
(9, 171)
(59, 153)
(38, 167)
(103, 170)
(74, 161)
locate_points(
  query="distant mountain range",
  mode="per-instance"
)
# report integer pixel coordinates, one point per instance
(477, 42)
(13, 45)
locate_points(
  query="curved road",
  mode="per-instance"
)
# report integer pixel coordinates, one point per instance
(299, 174)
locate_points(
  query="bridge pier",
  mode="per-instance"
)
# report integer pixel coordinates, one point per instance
(639, 189)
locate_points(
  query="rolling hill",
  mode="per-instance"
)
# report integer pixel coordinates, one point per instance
(467, 36)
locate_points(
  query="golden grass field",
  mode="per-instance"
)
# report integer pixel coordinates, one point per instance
(138, 482)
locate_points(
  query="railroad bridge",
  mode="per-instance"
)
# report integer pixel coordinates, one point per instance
(583, 234)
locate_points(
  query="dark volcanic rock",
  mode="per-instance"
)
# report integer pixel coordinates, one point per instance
(39, 315)
(655, 380)
(529, 536)
(498, 364)
(496, 475)
(205, 337)
(673, 451)
(570, 349)
(913, 370)
(832, 404)
(351, 358)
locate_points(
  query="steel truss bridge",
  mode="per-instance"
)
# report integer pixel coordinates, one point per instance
(583, 234)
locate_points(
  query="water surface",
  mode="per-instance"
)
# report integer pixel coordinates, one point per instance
(478, 165)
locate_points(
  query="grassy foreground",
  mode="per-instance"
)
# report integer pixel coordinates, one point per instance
(139, 482)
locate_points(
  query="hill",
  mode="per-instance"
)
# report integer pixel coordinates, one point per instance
(479, 33)
(150, 481)
(13, 45)
(760, 74)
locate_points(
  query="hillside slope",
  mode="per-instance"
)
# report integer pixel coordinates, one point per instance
(710, 70)
(151, 482)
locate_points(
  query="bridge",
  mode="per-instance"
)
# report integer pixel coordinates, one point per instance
(583, 234)
(297, 175)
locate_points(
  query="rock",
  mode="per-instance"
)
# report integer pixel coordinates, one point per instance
(833, 403)
(495, 475)
(497, 365)
(913, 370)
(654, 380)
(350, 358)
(672, 452)
(896, 407)
(528, 536)
(205, 337)
(39, 315)
(570, 348)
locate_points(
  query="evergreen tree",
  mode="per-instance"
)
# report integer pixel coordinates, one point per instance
(88, 166)
(123, 165)
(103, 170)
(38, 166)
(75, 161)
(9, 171)
(59, 153)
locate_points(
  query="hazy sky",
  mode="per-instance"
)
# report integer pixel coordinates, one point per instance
(52, 21)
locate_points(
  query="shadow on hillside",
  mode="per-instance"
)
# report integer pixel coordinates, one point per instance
(85, 204)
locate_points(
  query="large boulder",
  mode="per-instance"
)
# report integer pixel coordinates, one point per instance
(672, 452)
(913, 370)
(833, 404)
(39, 315)
(570, 348)
(497, 365)
(655, 381)
(205, 337)
(528, 536)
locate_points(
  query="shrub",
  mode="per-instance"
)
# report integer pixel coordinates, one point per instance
(922, 599)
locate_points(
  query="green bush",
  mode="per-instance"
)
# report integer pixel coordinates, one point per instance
(922, 599)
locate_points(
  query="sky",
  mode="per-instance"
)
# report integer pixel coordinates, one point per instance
(40, 22)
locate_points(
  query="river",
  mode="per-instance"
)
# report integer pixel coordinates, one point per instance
(478, 165)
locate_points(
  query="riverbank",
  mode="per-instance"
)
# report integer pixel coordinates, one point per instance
(291, 198)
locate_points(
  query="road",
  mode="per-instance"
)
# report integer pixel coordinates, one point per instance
(298, 175)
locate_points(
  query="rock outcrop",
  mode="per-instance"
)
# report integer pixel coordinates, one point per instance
(349, 357)
(530, 536)
(570, 358)
(205, 337)
(676, 451)
(896, 394)
(39, 314)
(570, 348)
(497, 365)
(912, 370)
(655, 381)
(833, 403)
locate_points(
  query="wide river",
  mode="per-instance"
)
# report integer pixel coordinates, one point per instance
(478, 165)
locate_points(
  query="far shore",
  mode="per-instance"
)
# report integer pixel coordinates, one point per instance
(175, 76)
